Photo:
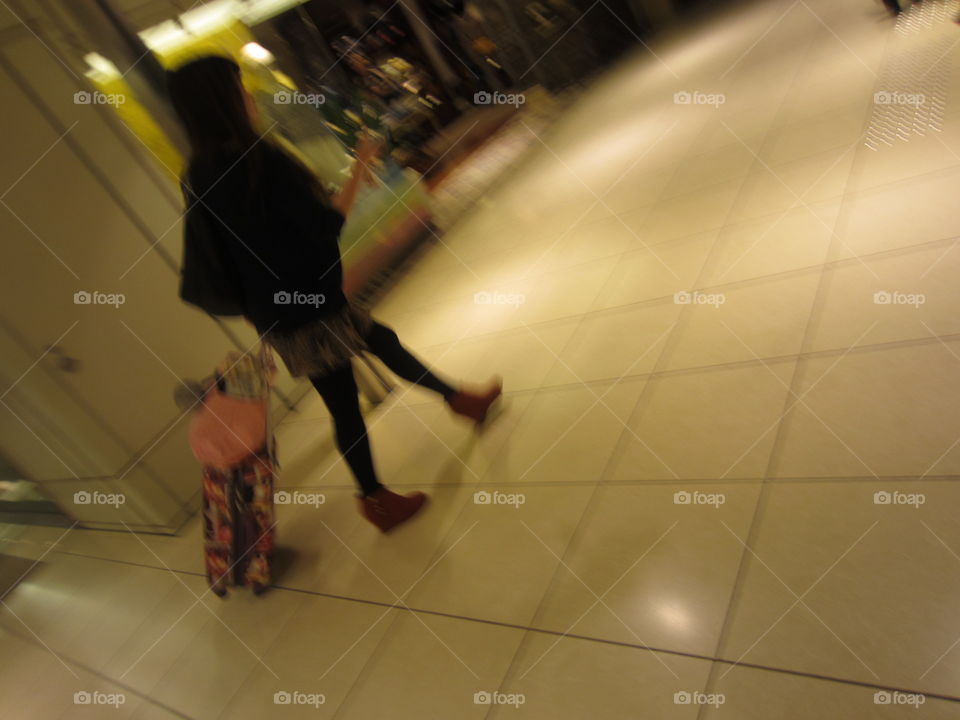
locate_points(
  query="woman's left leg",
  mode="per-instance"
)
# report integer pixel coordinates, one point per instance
(384, 343)
(339, 392)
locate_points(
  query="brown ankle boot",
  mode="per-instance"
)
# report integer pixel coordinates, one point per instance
(475, 405)
(387, 509)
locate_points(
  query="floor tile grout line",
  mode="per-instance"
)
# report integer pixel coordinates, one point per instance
(665, 299)
(884, 346)
(665, 349)
(171, 590)
(206, 621)
(518, 627)
(392, 627)
(735, 284)
(105, 678)
(699, 154)
(574, 335)
(792, 481)
(370, 660)
(835, 199)
(652, 482)
(838, 198)
(264, 654)
(438, 552)
(522, 641)
(710, 680)
(820, 297)
(683, 318)
(513, 665)
(655, 482)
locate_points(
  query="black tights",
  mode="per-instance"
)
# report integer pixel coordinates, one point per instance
(339, 392)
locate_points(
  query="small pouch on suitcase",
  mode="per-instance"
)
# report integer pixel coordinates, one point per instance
(232, 422)
(227, 429)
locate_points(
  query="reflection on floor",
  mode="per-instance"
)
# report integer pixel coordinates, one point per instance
(724, 484)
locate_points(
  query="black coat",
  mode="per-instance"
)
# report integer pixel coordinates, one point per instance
(260, 241)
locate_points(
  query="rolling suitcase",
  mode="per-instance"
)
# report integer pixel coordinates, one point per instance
(230, 435)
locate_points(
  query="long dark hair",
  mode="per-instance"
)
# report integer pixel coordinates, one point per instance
(208, 96)
(209, 99)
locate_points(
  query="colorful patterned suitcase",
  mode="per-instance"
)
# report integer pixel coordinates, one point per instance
(231, 437)
(238, 524)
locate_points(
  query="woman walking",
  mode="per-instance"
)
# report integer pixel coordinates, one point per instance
(260, 241)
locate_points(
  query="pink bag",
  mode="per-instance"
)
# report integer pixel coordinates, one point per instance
(231, 424)
(227, 429)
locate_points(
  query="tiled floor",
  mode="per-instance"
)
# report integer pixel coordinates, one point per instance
(727, 457)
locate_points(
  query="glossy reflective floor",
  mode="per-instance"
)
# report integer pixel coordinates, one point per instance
(723, 295)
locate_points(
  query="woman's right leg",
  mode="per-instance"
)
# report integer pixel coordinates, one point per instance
(340, 394)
